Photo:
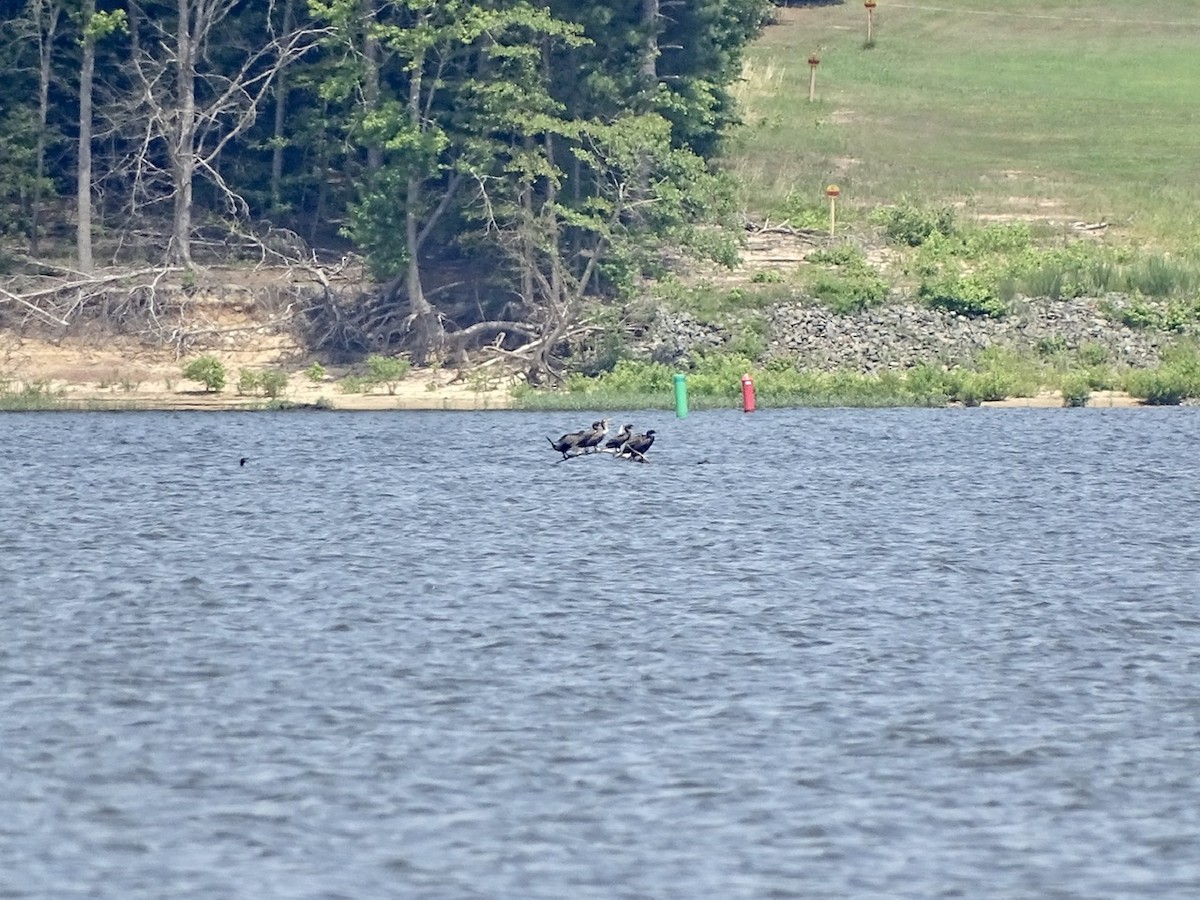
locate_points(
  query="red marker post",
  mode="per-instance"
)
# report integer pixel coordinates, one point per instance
(747, 393)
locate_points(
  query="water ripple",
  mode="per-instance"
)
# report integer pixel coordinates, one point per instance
(916, 653)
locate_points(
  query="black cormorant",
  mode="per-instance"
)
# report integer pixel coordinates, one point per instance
(637, 446)
(592, 439)
(616, 443)
(569, 442)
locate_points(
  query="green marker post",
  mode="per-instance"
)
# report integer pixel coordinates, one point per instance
(681, 396)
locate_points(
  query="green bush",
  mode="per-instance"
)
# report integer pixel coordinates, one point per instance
(996, 238)
(1175, 380)
(207, 370)
(966, 295)
(748, 342)
(1160, 315)
(851, 284)
(1160, 387)
(1092, 354)
(249, 381)
(387, 370)
(1076, 389)
(849, 292)
(355, 384)
(273, 382)
(315, 373)
(907, 223)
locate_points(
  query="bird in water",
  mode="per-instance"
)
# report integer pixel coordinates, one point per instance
(616, 443)
(593, 438)
(637, 446)
(243, 460)
(570, 441)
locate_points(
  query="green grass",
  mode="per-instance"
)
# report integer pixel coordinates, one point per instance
(33, 397)
(715, 382)
(1037, 108)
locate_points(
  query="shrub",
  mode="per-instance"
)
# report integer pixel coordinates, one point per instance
(1076, 389)
(387, 370)
(849, 292)
(996, 238)
(1051, 345)
(1092, 354)
(852, 285)
(273, 382)
(748, 342)
(207, 370)
(249, 381)
(963, 294)
(1176, 380)
(929, 382)
(354, 384)
(907, 223)
(1160, 387)
(1139, 314)
(315, 373)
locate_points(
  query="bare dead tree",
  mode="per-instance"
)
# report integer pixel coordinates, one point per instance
(189, 110)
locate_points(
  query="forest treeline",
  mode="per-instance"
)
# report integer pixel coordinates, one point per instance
(496, 162)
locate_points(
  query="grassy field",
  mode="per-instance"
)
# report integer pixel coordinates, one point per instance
(1055, 110)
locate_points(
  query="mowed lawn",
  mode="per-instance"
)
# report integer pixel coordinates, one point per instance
(1046, 109)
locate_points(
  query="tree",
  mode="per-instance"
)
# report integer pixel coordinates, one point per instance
(195, 97)
(46, 16)
(445, 63)
(95, 26)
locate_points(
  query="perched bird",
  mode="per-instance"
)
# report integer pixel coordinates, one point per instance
(570, 441)
(637, 446)
(616, 443)
(593, 438)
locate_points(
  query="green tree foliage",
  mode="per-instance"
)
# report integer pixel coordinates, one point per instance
(208, 370)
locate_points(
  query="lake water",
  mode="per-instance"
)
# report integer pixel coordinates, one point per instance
(804, 653)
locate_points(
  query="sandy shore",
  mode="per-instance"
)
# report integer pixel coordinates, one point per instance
(135, 378)
(418, 392)
(1048, 399)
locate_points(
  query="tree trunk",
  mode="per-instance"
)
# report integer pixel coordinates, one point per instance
(47, 30)
(83, 175)
(281, 99)
(648, 71)
(371, 87)
(183, 154)
(429, 335)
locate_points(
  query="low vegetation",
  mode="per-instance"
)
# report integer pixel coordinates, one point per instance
(208, 371)
(270, 382)
(714, 381)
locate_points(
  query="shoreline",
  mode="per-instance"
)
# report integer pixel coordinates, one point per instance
(413, 394)
(72, 378)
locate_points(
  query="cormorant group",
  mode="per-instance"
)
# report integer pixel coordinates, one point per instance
(624, 445)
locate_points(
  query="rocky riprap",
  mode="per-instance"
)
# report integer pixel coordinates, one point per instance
(902, 334)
